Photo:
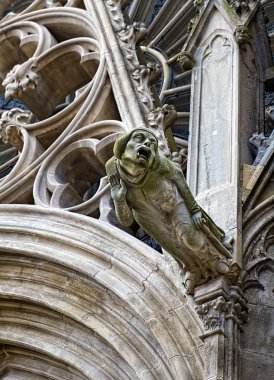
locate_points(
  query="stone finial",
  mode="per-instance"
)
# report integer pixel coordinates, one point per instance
(21, 79)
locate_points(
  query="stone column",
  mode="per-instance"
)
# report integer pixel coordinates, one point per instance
(226, 105)
(222, 309)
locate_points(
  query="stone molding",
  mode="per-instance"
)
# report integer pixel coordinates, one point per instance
(121, 299)
(223, 310)
(141, 75)
(218, 302)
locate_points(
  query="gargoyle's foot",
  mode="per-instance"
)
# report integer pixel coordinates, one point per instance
(224, 247)
(214, 261)
(222, 267)
(192, 278)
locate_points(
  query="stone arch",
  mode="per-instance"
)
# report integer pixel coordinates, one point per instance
(90, 300)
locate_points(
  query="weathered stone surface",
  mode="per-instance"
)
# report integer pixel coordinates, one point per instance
(92, 298)
(80, 299)
(147, 187)
(258, 343)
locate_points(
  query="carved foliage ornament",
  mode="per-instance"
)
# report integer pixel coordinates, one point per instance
(11, 123)
(216, 312)
(142, 76)
(22, 78)
(213, 314)
(115, 9)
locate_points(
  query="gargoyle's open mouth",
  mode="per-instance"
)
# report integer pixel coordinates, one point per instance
(144, 153)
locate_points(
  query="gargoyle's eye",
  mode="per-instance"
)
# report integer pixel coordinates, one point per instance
(138, 137)
(152, 145)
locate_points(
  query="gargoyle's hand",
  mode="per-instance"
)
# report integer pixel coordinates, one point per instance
(118, 189)
(198, 219)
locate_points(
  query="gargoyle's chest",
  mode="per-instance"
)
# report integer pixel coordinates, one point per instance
(161, 195)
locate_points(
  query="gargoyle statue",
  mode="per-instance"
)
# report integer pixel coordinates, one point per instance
(148, 188)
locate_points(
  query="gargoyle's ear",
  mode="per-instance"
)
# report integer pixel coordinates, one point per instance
(120, 145)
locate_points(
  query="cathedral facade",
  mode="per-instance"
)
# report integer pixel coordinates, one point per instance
(83, 296)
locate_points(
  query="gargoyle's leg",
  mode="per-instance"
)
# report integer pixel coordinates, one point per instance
(187, 234)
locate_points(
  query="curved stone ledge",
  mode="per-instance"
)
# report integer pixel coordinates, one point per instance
(73, 287)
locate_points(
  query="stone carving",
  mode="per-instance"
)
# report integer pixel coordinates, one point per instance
(199, 5)
(269, 112)
(162, 117)
(115, 9)
(241, 7)
(260, 142)
(213, 314)
(129, 36)
(269, 118)
(22, 78)
(186, 60)
(149, 189)
(191, 25)
(241, 34)
(144, 76)
(258, 258)
(237, 306)
(180, 158)
(10, 127)
(154, 72)
(170, 114)
(216, 312)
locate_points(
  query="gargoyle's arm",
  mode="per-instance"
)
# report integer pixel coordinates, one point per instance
(185, 192)
(192, 206)
(124, 213)
(118, 193)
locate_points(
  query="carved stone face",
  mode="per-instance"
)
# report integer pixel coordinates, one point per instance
(140, 149)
